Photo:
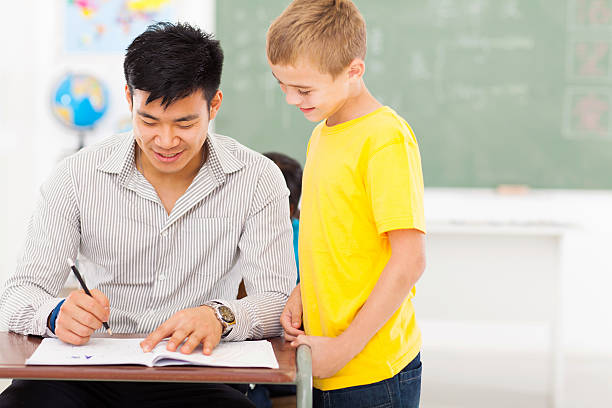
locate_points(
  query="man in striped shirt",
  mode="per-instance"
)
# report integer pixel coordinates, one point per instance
(166, 221)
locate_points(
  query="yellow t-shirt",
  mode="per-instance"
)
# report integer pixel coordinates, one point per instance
(362, 178)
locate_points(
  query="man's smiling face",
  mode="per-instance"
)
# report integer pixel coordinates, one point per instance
(171, 138)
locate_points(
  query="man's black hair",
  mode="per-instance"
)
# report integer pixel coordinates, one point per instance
(171, 61)
(292, 171)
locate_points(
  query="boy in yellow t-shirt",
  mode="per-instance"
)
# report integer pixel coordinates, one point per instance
(362, 226)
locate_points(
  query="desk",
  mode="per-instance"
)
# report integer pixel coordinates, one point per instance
(294, 368)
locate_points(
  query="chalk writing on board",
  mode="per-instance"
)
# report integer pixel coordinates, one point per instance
(592, 13)
(507, 43)
(480, 97)
(587, 113)
(510, 10)
(591, 111)
(476, 8)
(376, 41)
(447, 12)
(591, 59)
(587, 110)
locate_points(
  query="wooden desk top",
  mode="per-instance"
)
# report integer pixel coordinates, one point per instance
(15, 349)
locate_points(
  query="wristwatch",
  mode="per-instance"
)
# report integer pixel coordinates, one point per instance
(225, 316)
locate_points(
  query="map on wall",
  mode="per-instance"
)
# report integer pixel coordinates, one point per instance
(109, 26)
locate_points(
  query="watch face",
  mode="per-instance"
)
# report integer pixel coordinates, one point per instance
(226, 314)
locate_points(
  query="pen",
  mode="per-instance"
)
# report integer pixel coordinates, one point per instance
(82, 282)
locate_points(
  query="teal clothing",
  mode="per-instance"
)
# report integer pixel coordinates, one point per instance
(296, 231)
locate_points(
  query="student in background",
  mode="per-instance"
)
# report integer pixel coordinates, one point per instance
(362, 222)
(260, 394)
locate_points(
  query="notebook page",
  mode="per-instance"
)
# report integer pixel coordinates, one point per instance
(226, 354)
(98, 351)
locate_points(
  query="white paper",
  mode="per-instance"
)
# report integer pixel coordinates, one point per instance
(112, 351)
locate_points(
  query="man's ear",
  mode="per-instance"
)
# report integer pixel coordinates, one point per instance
(128, 97)
(356, 69)
(215, 104)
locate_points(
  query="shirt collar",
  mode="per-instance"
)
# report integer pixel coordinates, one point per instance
(121, 160)
(225, 153)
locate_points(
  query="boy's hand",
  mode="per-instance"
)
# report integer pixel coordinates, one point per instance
(291, 318)
(329, 354)
(81, 315)
(194, 326)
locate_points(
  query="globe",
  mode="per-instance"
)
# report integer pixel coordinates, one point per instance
(80, 101)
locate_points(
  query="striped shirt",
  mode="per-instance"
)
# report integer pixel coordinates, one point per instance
(232, 223)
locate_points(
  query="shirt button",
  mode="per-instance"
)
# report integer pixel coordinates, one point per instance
(164, 233)
(162, 277)
(151, 311)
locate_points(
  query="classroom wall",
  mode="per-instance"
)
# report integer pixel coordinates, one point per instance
(32, 142)
(20, 77)
(584, 264)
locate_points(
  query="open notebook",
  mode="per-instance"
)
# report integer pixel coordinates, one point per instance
(112, 351)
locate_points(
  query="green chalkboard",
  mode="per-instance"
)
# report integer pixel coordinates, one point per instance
(497, 92)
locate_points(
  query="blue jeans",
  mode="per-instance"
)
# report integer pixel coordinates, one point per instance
(401, 391)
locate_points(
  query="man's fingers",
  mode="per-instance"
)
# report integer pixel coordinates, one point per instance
(177, 338)
(85, 318)
(102, 300)
(293, 331)
(210, 342)
(100, 297)
(88, 303)
(155, 337)
(285, 320)
(291, 317)
(77, 328)
(192, 342)
(70, 319)
(69, 337)
(296, 318)
(288, 325)
(182, 326)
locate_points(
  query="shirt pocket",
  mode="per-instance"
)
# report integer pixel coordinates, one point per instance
(215, 244)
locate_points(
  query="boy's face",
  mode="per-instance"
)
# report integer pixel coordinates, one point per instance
(171, 139)
(317, 95)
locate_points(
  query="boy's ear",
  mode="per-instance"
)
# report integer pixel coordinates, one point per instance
(356, 69)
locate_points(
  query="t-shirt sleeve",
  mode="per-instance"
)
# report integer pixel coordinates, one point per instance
(394, 184)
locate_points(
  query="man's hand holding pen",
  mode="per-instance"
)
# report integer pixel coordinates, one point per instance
(80, 315)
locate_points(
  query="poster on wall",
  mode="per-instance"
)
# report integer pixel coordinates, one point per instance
(108, 26)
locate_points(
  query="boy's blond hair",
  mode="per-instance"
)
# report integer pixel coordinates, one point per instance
(328, 33)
